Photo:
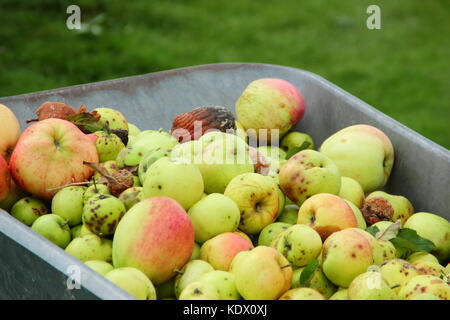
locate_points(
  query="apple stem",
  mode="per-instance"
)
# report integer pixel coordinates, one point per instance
(95, 185)
(288, 265)
(395, 286)
(178, 271)
(70, 185)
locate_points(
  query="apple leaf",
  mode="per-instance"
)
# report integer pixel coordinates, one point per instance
(295, 150)
(122, 134)
(409, 239)
(87, 122)
(308, 272)
(373, 230)
(390, 232)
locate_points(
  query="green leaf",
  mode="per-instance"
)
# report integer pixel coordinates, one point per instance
(87, 122)
(308, 272)
(409, 239)
(390, 232)
(373, 230)
(303, 146)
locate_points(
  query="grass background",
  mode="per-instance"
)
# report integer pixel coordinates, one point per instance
(402, 69)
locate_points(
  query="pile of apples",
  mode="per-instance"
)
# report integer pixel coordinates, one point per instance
(251, 213)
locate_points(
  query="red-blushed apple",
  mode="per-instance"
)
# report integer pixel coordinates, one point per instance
(9, 131)
(220, 250)
(5, 179)
(327, 213)
(271, 104)
(155, 236)
(50, 154)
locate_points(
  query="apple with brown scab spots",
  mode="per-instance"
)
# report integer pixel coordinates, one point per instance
(28, 209)
(299, 244)
(425, 284)
(257, 198)
(308, 173)
(102, 214)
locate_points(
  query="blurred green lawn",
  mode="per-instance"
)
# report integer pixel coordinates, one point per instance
(402, 69)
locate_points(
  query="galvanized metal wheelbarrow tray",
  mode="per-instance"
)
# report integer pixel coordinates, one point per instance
(33, 268)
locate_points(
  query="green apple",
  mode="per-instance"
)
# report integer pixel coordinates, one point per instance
(425, 296)
(317, 281)
(289, 214)
(363, 153)
(358, 215)
(115, 118)
(352, 191)
(108, 145)
(420, 256)
(68, 204)
(196, 252)
(75, 231)
(174, 179)
(213, 215)
(261, 273)
(341, 294)
(397, 273)
(191, 272)
(382, 204)
(133, 281)
(95, 190)
(346, 254)
(302, 294)
(198, 290)
(270, 231)
(131, 196)
(166, 290)
(434, 228)
(102, 214)
(28, 209)
(257, 198)
(370, 286)
(133, 130)
(99, 266)
(295, 141)
(149, 159)
(145, 142)
(224, 282)
(54, 228)
(14, 195)
(308, 173)
(221, 158)
(425, 284)
(90, 247)
(299, 244)
(383, 250)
